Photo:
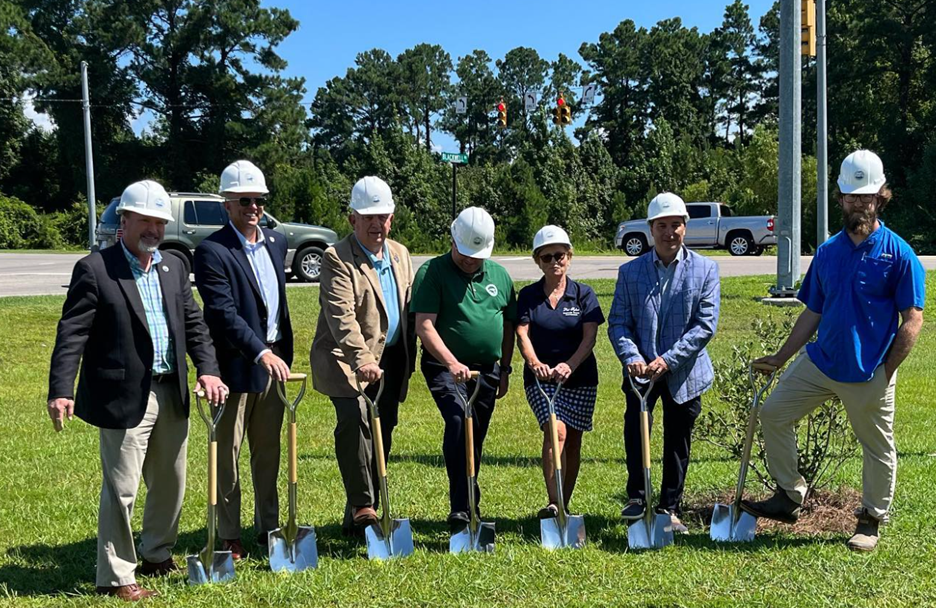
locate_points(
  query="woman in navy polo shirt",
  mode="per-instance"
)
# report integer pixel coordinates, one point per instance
(557, 321)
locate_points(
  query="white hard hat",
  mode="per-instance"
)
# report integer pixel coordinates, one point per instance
(473, 233)
(371, 196)
(862, 172)
(550, 235)
(146, 198)
(666, 204)
(242, 176)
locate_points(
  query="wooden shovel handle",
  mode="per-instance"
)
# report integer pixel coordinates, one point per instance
(378, 445)
(293, 454)
(645, 438)
(213, 473)
(469, 445)
(554, 430)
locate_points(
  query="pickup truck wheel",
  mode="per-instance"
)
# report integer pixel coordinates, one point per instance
(740, 243)
(634, 244)
(307, 265)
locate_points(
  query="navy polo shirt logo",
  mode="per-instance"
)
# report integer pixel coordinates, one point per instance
(574, 311)
(491, 289)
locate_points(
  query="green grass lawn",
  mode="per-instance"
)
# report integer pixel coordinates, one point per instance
(49, 485)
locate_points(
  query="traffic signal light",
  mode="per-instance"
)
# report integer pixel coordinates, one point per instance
(562, 115)
(808, 36)
(502, 114)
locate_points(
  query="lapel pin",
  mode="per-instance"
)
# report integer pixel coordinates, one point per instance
(272, 239)
(165, 269)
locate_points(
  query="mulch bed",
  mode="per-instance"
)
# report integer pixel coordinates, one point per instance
(825, 512)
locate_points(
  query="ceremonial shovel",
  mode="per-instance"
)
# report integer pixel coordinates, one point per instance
(656, 529)
(388, 537)
(293, 548)
(564, 530)
(211, 566)
(477, 535)
(729, 522)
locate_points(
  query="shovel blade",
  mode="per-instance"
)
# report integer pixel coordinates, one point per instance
(398, 543)
(221, 569)
(465, 541)
(299, 555)
(554, 537)
(726, 529)
(653, 534)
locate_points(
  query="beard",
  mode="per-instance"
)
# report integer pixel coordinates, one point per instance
(148, 245)
(859, 222)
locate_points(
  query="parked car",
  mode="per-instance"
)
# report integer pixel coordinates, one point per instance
(198, 215)
(710, 226)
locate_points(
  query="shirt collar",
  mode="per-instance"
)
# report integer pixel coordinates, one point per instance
(478, 274)
(680, 256)
(569, 288)
(135, 261)
(243, 239)
(870, 241)
(370, 254)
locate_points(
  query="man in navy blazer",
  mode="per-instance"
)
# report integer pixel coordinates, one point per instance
(240, 273)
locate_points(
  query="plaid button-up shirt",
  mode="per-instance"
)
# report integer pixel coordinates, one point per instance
(147, 282)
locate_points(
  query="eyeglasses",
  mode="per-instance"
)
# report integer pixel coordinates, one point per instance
(547, 258)
(246, 201)
(867, 199)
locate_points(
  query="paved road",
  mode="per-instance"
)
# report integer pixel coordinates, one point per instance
(31, 274)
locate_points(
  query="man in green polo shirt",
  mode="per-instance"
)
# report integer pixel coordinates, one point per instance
(465, 309)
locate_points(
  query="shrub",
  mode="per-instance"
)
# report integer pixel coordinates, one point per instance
(19, 223)
(824, 439)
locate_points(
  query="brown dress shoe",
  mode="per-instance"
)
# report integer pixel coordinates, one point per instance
(235, 546)
(363, 516)
(128, 593)
(158, 568)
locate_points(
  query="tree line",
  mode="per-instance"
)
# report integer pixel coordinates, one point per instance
(677, 109)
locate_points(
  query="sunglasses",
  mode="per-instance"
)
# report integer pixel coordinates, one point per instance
(547, 258)
(246, 201)
(864, 198)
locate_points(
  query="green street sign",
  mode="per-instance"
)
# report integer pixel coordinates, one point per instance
(454, 157)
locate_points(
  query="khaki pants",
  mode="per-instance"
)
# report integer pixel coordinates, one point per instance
(259, 418)
(870, 409)
(155, 450)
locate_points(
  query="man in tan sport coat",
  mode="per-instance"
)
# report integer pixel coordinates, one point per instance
(363, 332)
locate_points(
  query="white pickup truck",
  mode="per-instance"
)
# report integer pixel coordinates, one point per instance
(710, 226)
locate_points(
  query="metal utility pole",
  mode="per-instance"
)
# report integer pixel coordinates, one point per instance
(822, 128)
(454, 190)
(789, 193)
(89, 159)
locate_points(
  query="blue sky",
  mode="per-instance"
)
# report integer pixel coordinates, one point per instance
(331, 34)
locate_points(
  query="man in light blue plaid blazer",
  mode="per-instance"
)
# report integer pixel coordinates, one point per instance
(665, 311)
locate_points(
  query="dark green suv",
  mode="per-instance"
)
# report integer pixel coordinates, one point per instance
(198, 215)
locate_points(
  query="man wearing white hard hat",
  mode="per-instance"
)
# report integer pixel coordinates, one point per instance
(557, 323)
(664, 312)
(363, 332)
(240, 273)
(465, 309)
(128, 321)
(864, 294)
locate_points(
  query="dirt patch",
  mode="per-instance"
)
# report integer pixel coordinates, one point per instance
(825, 512)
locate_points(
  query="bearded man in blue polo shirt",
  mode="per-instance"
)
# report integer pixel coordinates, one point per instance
(859, 283)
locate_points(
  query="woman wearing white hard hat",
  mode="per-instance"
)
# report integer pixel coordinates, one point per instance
(557, 322)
